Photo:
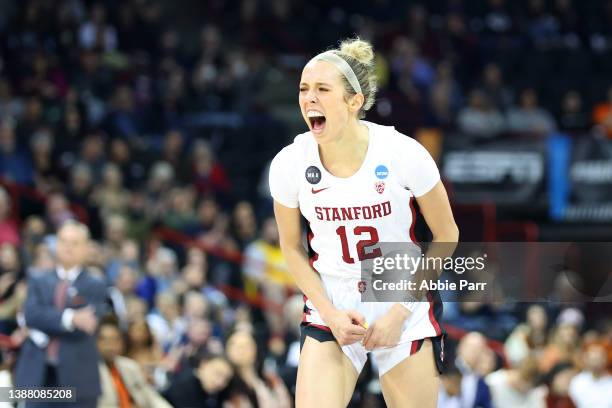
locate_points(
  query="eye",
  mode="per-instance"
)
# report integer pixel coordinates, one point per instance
(323, 89)
(303, 89)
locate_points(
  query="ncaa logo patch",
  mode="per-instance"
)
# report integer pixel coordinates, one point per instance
(381, 172)
(379, 186)
(313, 175)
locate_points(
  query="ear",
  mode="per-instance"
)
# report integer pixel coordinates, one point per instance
(356, 102)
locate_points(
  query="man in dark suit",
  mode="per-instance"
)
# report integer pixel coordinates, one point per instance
(62, 311)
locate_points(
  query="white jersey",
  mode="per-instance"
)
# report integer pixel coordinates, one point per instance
(348, 216)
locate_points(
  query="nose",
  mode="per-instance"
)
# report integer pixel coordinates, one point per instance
(311, 96)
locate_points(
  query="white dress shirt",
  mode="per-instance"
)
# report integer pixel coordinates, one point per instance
(41, 339)
(70, 275)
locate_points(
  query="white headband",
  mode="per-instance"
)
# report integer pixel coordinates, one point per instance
(343, 66)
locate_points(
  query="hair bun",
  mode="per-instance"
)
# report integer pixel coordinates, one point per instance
(360, 50)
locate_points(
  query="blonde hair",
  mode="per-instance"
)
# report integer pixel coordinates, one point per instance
(359, 55)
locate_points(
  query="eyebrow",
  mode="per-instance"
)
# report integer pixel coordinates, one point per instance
(316, 83)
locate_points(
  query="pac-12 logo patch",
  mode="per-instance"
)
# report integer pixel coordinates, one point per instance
(379, 186)
(381, 172)
(313, 175)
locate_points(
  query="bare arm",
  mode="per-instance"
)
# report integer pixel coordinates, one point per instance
(288, 220)
(436, 209)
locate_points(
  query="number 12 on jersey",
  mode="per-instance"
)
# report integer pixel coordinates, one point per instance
(362, 245)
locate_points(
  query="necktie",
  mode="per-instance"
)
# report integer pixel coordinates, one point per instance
(123, 395)
(59, 300)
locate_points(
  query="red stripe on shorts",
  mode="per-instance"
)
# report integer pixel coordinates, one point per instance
(413, 347)
(432, 317)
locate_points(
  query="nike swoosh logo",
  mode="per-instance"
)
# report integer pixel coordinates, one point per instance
(318, 191)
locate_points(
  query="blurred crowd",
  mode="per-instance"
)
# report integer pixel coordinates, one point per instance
(152, 122)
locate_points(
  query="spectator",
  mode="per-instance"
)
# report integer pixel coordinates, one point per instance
(442, 112)
(494, 88)
(266, 271)
(123, 384)
(593, 386)
(219, 236)
(132, 170)
(208, 211)
(165, 321)
(199, 341)
(195, 306)
(207, 174)
(142, 348)
(529, 117)
(205, 387)
(93, 153)
(573, 118)
(9, 233)
(15, 164)
(12, 288)
(528, 338)
(125, 119)
(602, 114)
(195, 275)
(242, 353)
(33, 230)
(517, 387)
(480, 119)
(161, 176)
(474, 390)
(58, 210)
(180, 214)
(163, 268)
(244, 224)
(558, 381)
(564, 342)
(62, 311)
(450, 389)
(173, 149)
(47, 173)
(115, 236)
(81, 185)
(10, 105)
(96, 33)
(125, 254)
(69, 133)
(123, 290)
(111, 196)
(408, 64)
(497, 19)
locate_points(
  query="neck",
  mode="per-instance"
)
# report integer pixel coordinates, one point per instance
(246, 370)
(351, 143)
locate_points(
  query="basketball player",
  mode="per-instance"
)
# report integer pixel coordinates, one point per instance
(354, 182)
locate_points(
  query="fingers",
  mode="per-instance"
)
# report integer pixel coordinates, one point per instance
(350, 334)
(356, 317)
(372, 341)
(368, 335)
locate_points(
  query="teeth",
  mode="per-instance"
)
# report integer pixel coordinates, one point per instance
(313, 113)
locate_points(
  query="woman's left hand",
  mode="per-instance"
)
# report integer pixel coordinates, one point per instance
(386, 331)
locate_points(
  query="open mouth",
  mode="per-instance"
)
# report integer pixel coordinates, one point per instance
(317, 123)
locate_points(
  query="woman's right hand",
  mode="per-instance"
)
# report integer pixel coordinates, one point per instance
(346, 326)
